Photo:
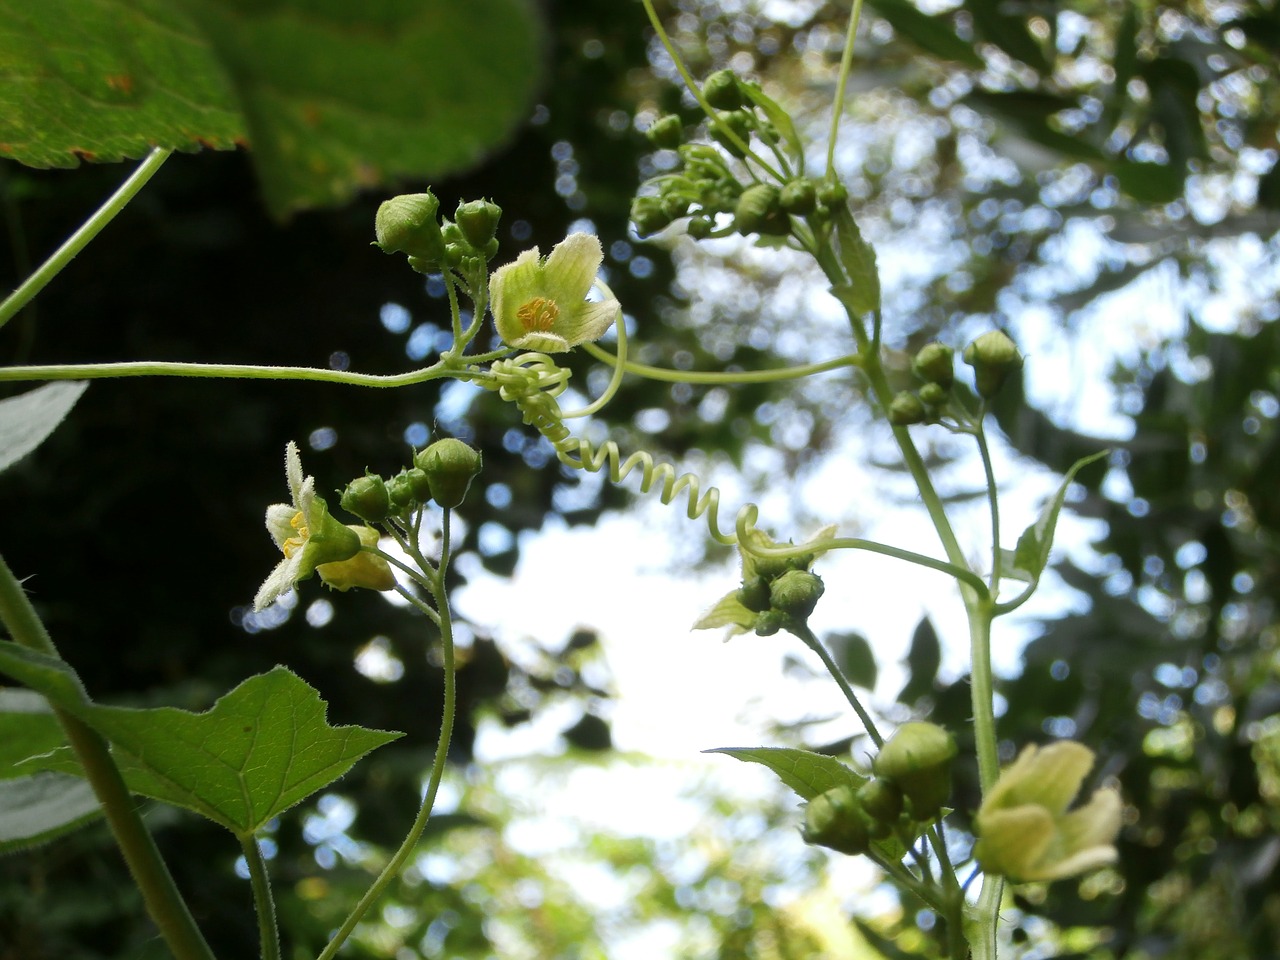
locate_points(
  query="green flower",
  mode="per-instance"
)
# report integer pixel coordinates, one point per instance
(1025, 830)
(540, 303)
(305, 533)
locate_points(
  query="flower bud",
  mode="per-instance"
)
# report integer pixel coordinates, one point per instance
(366, 570)
(935, 363)
(759, 210)
(408, 224)
(906, 408)
(834, 819)
(796, 593)
(450, 466)
(881, 800)
(648, 215)
(400, 492)
(736, 121)
(770, 622)
(754, 594)
(666, 132)
(700, 227)
(367, 498)
(934, 396)
(832, 193)
(799, 196)
(993, 357)
(917, 760)
(721, 90)
(478, 222)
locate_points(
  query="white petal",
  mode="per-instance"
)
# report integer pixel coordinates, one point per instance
(280, 580)
(591, 320)
(280, 522)
(572, 266)
(511, 286)
(293, 469)
(541, 343)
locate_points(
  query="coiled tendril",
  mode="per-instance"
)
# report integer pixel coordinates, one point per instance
(532, 381)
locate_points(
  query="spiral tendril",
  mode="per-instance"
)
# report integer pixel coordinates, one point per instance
(532, 381)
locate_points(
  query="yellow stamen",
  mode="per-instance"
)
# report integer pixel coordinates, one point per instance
(538, 315)
(294, 544)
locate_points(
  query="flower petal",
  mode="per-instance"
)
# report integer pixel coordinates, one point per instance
(571, 268)
(590, 321)
(279, 581)
(280, 522)
(541, 343)
(1013, 842)
(1047, 776)
(511, 286)
(293, 470)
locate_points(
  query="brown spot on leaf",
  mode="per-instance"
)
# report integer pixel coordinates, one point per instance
(120, 81)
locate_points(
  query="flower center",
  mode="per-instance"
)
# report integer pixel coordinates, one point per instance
(538, 315)
(294, 544)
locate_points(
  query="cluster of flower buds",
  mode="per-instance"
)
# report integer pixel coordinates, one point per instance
(912, 782)
(993, 356)
(442, 472)
(780, 592)
(411, 224)
(709, 192)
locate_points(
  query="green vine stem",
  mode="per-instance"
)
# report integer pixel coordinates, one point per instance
(80, 239)
(810, 640)
(263, 902)
(436, 580)
(163, 902)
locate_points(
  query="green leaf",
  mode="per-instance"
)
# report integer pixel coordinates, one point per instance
(331, 97)
(27, 419)
(1009, 33)
(256, 752)
(27, 728)
(807, 773)
(781, 120)
(1149, 182)
(1032, 553)
(933, 34)
(109, 79)
(923, 660)
(858, 258)
(1032, 114)
(852, 652)
(38, 808)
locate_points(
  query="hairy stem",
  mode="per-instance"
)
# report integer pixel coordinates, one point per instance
(263, 902)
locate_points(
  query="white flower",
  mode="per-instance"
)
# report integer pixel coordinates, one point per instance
(304, 531)
(540, 304)
(1025, 830)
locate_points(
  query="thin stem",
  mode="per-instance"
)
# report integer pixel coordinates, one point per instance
(811, 641)
(263, 902)
(993, 505)
(393, 867)
(846, 65)
(80, 239)
(720, 377)
(984, 722)
(238, 371)
(159, 893)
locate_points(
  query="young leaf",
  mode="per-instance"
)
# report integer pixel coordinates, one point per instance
(781, 120)
(38, 808)
(858, 258)
(808, 774)
(25, 420)
(1032, 553)
(256, 752)
(933, 34)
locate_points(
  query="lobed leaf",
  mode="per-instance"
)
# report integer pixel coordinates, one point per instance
(257, 751)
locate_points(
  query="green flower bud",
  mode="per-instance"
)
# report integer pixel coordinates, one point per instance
(420, 484)
(934, 396)
(834, 819)
(700, 227)
(759, 210)
(400, 492)
(799, 197)
(367, 498)
(906, 408)
(478, 222)
(770, 622)
(450, 466)
(754, 594)
(832, 193)
(667, 132)
(648, 215)
(408, 224)
(935, 363)
(881, 800)
(796, 593)
(721, 90)
(993, 357)
(737, 121)
(917, 760)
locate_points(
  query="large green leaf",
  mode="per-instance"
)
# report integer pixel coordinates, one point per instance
(256, 752)
(331, 97)
(25, 420)
(805, 772)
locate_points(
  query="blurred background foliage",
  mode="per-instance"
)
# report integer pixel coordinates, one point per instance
(1099, 177)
